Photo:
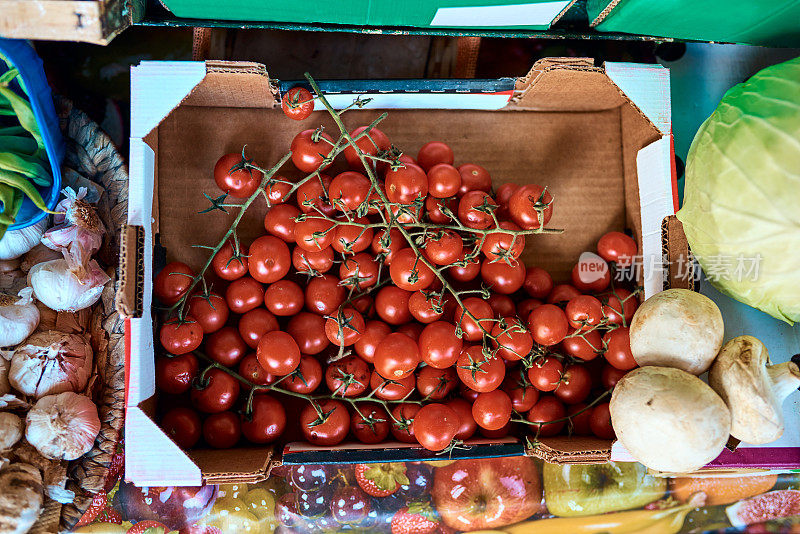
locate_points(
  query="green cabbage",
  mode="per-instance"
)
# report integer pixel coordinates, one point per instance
(742, 196)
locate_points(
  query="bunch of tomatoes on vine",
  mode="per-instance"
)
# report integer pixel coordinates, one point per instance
(389, 299)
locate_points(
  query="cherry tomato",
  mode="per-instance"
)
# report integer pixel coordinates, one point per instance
(495, 434)
(523, 396)
(256, 323)
(279, 221)
(433, 153)
(505, 192)
(181, 337)
(228, 267)
(349, 190)
(421, 305)
(217, 394)
(345, 327)
(502, 305)
(617, 247)
(266, 422)
(172, 282)
(586, 347)
(311, 196)
(481, 320)
(278, 353)
(233, 178)
(370, 423)
(391, 390)
(284, 298)
(308, 330)
(210, 311)
(374, 332)
(528, 204)
(436, 384)
(306, 261)
(250, 369)
(538, 283)
(297, 103)
(618, 349)
(359, 271)
(348, 377)
(308, 154)
(396, 356)
(222, 430)
(547, 411)
(174, 374)
(327, 429)
(412, 330)
(306, 378)
(502, 277)
(402, 426)
(435, 426)
(545, 373)
(467, 426)
(468, 393)
(324, 295)
(492, 410)
(512, 339)
(619, 306)
(474, 209)
(562, 293)
(610, 375)
(244, 294)
(525, 307)
(500, 246)
(388, 245)
(406, 213)
(443, 180)
(435, 209)
(183, 426)
(314, 233)
(575, 384)
(584, 312)
(478, 372)
(226, 346)
(444, 247)
(474, 178)
(600, 422)
(370, 143)
(391, 303)
(277, 191)
(409, 272)
(439, 346)
(352, 238)
(406, 184)
(594, 281)
(548, 324)
(465, 270)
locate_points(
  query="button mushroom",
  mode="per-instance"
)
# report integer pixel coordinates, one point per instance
(753, 389)
(668, 419)
(677, 328)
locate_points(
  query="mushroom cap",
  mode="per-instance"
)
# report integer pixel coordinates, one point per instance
(668, 419)
(677, 328)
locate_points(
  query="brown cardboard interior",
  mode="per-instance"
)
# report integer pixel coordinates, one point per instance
(576, 134)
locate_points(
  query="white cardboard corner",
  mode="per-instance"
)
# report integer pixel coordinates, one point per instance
(530, 14)
(647, 86)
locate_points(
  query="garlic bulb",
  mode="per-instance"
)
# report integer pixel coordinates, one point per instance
(60, 290)
(63, 426)
(19, 316)
(21, 497)
(38, 254)
(5, 365)
(51, 362)
(15, 243)
(11, 430)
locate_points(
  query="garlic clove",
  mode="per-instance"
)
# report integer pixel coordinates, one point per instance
(59, 289)
(63, 426)
(11, 430)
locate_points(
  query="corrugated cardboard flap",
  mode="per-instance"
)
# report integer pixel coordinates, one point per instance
(678, 257)
(128, 300)
(572, 450)
(251, 89)
(250, 464)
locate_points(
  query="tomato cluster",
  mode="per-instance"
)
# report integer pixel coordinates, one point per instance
(392, 298)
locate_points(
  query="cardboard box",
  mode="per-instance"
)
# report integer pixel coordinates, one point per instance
(598, 137)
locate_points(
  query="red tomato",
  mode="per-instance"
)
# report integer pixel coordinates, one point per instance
(183, 426)
(306, 378)
(562, 293)
(600, 422)
(352, 238)
(388, 245)
(374, 332)
(345, 328)
(406, 184)
(584, 312)
(443, 180)
(174, 374)
(227, 266)
(547, 411)
(591, 282)
(244, 294)
(512, 339)
(525, 307)
(502, 277)
(496, 434)
(500, 246)
(480, 321)
(441, 210)
(436, 384)
(233, 178)
(468, 393)
(548, 324)
(348, 377)
(308, 330)
(278, 353)
(217, 394)
(324, 295)
(467, 425)
(610, 376)
(580, 418)
(370, 423)
(312, 262)
(433, 153)
(523, 396)
(538, 283)
(359, 271)
(545, 373)
(474, 210)
(439, 346)
(502, 305)
(406, 213)
(617, 247)
(435, 426)
(370, 143)
(311, 196)
(277, 191)
(326, 427)
(349, 190)
(391, 303)
(172, 282)
(402, 425)
(444, 247)
(284, 298)
(505, 192)
(586, 347)
(396, 356)
(465, 270)
(619, 305)
(256, 323)
(222, 430)
(297, 103)
(391, 390)
(422, 304)
(266, 422)
(412, 330)
(309, 149)
(181, 337)
(279, 221)
(226, 346)
(575, 384)
(618, 349)
(531, 206)
(492, 410)
(478, 372)
(210, 311)
(314, 233)
(474, 178)
(409, 272)
(251, 370)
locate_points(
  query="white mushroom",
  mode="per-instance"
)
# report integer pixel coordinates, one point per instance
(677, 328)
(668, 419)
(753, 389)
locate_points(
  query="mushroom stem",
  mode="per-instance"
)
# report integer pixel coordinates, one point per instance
(785, 378)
